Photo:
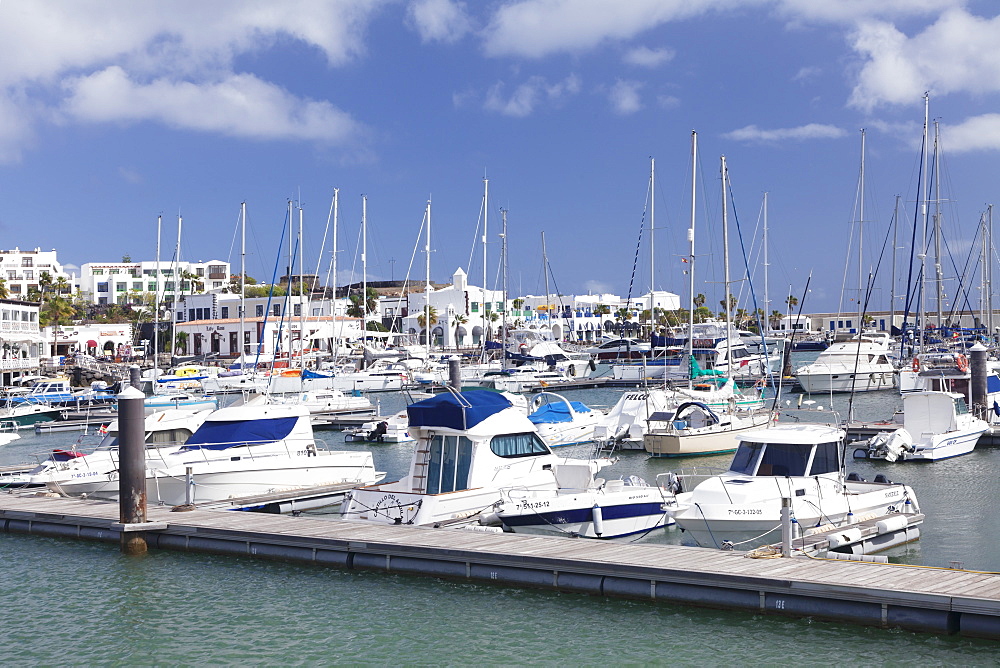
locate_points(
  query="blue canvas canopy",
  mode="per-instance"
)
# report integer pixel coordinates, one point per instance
(461, 411)
(309, 373)
(556, 412)
(222, 434)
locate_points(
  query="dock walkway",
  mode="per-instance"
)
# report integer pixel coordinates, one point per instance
(936, 600)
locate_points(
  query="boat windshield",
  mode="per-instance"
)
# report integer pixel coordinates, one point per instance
(771, 459)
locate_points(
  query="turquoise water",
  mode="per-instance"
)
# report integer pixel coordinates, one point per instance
(75, 602)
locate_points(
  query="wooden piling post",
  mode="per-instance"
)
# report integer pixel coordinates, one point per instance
(455, 375)
(132, 470)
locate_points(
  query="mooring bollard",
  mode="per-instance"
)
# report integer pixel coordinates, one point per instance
(132, 469)
(455, 375)
(134, 376)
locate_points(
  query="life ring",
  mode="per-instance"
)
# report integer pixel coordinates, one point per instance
(916, 364)
(962, 362)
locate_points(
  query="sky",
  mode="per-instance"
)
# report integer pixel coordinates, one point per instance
(113, 113)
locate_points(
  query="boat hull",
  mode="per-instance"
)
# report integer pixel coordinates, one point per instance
(631, 511)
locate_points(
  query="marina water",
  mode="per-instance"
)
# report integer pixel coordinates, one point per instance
(80, 602)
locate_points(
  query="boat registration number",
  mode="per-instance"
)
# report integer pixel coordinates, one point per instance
(746, 511)
(529, 505)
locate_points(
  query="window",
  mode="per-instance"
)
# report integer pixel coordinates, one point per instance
(29, 275)
(11, 275)
(121, 287)
(225, 314)
(276, 309)
(297, 309)
(825, 460)
(114, 271)
(475, 307)
(216, 284)
(217, 269)
(151, 286)
(137, 285)
(450, 461)
(27, 262)
(200, 271)
(518, 445)
(102, 287)
(781, 459)
(260, 310)
(168, 286)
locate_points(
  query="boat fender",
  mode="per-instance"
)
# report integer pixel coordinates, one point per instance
(916, 364)
(593, 365)
(598, 518)
(572, 370)
(891, 524)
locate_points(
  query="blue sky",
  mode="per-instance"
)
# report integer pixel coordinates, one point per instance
(114, 112)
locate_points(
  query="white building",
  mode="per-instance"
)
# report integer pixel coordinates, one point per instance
(111, 340)
(21, 270)
(268, 336)
(21, 343)
(122, 282)
(464, 313)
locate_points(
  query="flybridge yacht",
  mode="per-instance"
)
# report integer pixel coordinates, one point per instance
(469, 446)
(859, 364)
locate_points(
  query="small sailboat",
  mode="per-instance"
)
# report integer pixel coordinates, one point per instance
(695, 429)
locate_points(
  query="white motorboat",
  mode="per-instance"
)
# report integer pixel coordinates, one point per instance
(319, 402)
(562, 422)
(936, 425)
(25, 416)
(393, 429)
(628, 420)
(192, 402)
(582, 506)
(470, 445)
(165, 431)
(241, 451)
(741, 507)
(860, 364)
(695, 429)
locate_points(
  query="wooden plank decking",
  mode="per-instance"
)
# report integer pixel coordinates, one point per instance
(938, 600)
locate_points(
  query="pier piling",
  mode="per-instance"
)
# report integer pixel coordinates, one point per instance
(132, 470)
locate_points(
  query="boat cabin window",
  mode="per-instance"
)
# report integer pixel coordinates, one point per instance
(518, 445)
(450, 461)
(826, 459)
(770, 459)
(960, 406)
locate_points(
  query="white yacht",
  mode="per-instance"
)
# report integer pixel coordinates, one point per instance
(470, 445)
(741, 507)
(240, 451)
(860, 364)
(562, 422)
(936, 425)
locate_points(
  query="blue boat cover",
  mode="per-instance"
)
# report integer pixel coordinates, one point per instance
(309, 373)
(992, 384)
(556, 412)
(222, 434)
(462, 411)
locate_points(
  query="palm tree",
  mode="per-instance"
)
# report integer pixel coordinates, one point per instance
(427, 319)
(371, 305)
(3, 289)
(459, 321)
(792, 302)
(492, 318)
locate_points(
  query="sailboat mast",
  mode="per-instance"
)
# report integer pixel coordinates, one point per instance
(503, 256)
(486, 208)
(767, 303)
(892, 280)
(725, 260)
(177, 280)
(333, 270)
(302, 298)
(861, 236)
(156, 298)
(364, 266)
(652, 230)
(938, 274)
(694, 194)
(923, 235)
(545, 272)
(988, 261)
(243, 277)
(427, 283)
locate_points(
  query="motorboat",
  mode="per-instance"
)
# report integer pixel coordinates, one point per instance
(165, 431)
(58, 392)
(695, 429)
(240, 451)
(859, 364)
(26, 415)
(193, 402)
(627, 422)
(582, 506)
(470, 445)
(320, 402)
(393, 429)
(614, 349)
(562, 422)
(741, 507)
(936, 425)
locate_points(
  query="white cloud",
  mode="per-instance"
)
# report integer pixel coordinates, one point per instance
(667, 101)
(959, 52)
(979, 133)
(752, 133)
(52, 48)
(644, 56)
(851, 11)
(624, 96)
(240, 105)
(527, 96)
(439, 20)
(807, 73)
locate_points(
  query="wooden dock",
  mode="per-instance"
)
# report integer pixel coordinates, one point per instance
(935, 600)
